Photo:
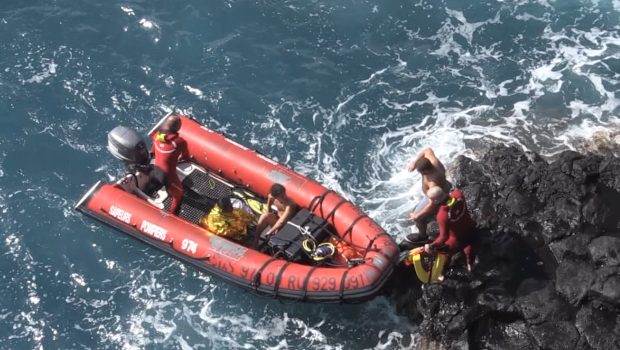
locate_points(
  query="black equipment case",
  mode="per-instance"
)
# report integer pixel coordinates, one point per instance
(289, 238)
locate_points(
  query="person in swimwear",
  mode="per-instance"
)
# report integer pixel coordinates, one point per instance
(287, 208)
(457, 229)
(433, 174)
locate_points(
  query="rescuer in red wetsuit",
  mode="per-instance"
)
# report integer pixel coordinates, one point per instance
(167, 147)
(456, 227)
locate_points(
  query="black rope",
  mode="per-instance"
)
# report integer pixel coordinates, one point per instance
(311, 205)
(320, 198)
(370, 243)
(107, 212)
(332, 264)
(257, 277)
(320, 201)
(392, 261)
(350, 230)
(304, 288)
(323, 225)
(344, 276)
(276, 287)
(334, 210)
(314, 205)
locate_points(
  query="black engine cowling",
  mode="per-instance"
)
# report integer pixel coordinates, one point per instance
(126, 145)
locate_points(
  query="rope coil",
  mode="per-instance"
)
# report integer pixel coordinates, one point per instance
(319, 252)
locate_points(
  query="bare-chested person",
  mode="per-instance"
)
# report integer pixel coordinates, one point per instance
(286, 210)
(433, 174)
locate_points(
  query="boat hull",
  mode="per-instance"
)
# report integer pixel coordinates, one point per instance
(219, 161)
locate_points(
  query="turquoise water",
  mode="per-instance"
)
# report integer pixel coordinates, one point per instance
(346, 92)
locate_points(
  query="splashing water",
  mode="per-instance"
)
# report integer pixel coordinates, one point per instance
(345, 93)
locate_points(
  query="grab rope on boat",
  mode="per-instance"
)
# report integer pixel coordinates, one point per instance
(322, 253)
(317, 203)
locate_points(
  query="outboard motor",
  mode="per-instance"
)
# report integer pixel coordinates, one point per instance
(128, 146)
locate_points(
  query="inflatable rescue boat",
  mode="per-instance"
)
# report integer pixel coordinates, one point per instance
(330, 252)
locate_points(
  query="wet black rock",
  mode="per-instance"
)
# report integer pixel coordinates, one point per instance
(573, 247)
(498, 335)
(548, 275)
(599, 326)
(606, 287)
(574, 279)
(538, 303)
(556, 330)
(605, 251)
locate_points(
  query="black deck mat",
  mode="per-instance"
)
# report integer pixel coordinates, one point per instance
(200, 193)
(205, 185)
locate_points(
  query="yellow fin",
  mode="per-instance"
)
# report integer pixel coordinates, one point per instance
(257, 206)
(428, 276)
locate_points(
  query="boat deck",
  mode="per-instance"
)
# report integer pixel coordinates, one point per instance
(200, 193)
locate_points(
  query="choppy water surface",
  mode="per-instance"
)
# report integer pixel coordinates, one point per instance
(347, 92)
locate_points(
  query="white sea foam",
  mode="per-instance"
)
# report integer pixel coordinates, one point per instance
(391, 113)
(128, 10)
(452, 131)
(28, 320)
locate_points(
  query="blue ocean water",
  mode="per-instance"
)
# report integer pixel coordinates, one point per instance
(346, 92)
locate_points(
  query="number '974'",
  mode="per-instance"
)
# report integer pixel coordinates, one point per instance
(189, 245)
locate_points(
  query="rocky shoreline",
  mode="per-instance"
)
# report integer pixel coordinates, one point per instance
(548, 275)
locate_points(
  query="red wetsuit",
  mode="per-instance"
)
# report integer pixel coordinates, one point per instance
(166, 158)
(456, 227)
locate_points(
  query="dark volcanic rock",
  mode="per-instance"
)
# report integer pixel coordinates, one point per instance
(605, 251)
(496, 299)
(574, 279)
(539, 303)
(556, 330)
(572, 247)
(607, 285)
(599, 208)
(496, 335)
(600, 327)
(549, 257)
(427, 343)
(609, 170)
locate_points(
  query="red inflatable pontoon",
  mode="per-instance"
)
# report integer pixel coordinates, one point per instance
(222, 167)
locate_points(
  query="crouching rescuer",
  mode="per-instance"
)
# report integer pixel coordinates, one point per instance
(457, 232)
